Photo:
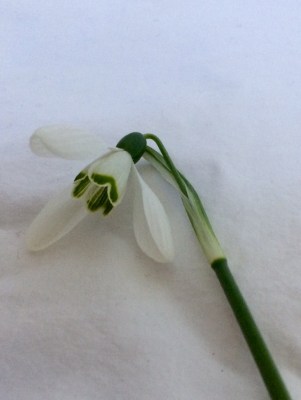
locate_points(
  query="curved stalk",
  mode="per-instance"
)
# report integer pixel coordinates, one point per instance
(169, 162)
(205, 234)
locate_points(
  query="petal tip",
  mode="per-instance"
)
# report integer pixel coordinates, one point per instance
(33, 241)
(65, 142)
(151, 224)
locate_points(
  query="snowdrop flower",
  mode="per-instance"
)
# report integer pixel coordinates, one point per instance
(99, 187)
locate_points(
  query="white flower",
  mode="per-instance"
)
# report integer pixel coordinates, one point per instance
(100, 186)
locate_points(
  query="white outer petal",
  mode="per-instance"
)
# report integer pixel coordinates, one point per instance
(57, 218)
(66, 142)
(116, 163)
(151, 225)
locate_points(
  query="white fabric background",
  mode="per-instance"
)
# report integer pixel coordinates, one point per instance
(219, 82)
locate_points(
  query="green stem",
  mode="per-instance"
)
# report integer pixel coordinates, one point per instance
(169, 162)
(191, 201)
(257, 346)
(209, 242)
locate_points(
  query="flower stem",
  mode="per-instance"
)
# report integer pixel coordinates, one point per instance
(254, 339)
(168, 161)
(191, 201)
(205, 234)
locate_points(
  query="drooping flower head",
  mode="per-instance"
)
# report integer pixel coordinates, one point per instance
(99, 187)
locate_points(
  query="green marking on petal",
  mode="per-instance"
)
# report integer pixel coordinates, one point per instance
(107, 208)
(81, 175)
(81, 186)
(98, 199)
(109, 182)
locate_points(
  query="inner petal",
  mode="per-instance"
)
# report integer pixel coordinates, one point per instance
(109, 182)
(98, 199)
(80, 186)
(112, 170)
